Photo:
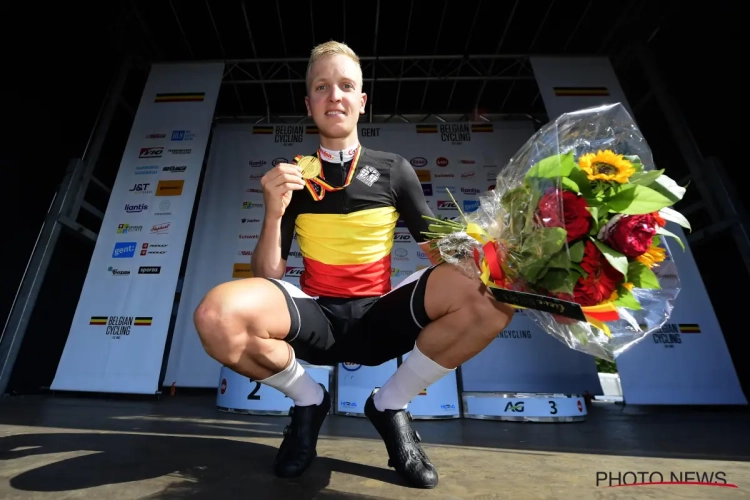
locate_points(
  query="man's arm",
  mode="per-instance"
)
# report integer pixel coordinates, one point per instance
(412, 206)
(272, 250)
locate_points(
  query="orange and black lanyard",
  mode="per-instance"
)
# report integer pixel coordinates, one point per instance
(318, 185)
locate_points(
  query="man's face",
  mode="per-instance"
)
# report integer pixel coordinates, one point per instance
(335, 99)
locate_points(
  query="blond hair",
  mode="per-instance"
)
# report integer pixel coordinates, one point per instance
(332, 48)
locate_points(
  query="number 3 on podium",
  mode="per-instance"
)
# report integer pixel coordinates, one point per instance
(552, 407)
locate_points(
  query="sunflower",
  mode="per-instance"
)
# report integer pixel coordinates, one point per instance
(606, 166)
(653, 256)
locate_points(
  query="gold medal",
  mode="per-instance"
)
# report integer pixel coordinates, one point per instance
(310, 166)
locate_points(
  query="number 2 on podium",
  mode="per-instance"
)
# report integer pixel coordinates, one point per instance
(253, 394)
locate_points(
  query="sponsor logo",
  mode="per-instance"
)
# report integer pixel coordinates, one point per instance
(149, 270)
(170, 188)
(161, 228)
(119, 326)
(249, 236)
(427, 189)
(467, 175)
(400, 223)
(155, 136)
(180, 151)
(446, 205)
(444, 176)
(418, 161)
(124, 250)
(164, 206)
(134, 209)
(294, 272)
(421, 255)
(351, 367)
(442, 162)
(153, 249)
(450, 189)
(250, 221)
(246, 205)
(151, 152)
(256, 163)
(368, 175)
(246, 253)
(402, 237)
(466, 162)
(127, 229)
(455, 133)
(424, 175)
(182, 135)
(175, 169)
(297, 255)
(471, 205)
(401, 254)
(117, 272)
(370, 132)
(470, 191)
(276, 161)
(146, 169)
(241, 270)
(141, 188)
(254, 190)
(255, 176)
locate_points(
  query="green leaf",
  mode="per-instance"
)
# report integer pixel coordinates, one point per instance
(642, 277)
(538, 249)
(656, 241)
(594, 211)
(560, 260)
(581, 179)
(626, 299)
(672, 215)
(637, 200)
(570, 185)
(559, 281)
(636, 161)
(668, 188)
(645, 178)
(576, 252)
(616, 259)
(553, 166)
(664, 232)
(575, 267)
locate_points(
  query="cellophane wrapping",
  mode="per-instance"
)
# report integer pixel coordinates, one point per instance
(579, 214)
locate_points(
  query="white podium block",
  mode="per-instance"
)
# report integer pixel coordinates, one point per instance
(355, 383)
(519, 407)
(239, 394)
(439, 401)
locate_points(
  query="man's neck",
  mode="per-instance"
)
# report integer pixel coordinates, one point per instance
(339, 154)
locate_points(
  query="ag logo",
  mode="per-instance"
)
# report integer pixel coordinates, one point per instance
(514, 407)
(351, 367)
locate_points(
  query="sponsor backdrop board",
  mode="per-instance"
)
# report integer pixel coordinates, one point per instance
(463, 158)
(117, 338)
(687, 362)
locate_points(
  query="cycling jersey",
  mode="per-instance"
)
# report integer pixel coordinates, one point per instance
(346, 236)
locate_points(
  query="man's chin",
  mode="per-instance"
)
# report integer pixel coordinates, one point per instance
(340, 130)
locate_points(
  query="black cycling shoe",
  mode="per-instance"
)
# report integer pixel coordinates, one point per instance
(402, 442)
(298, 449)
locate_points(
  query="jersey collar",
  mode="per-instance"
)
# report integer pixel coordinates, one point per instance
(338, 156)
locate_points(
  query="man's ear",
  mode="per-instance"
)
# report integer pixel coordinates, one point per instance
(364, 101)
(307, 105)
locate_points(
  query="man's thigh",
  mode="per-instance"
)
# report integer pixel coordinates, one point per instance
(390, 327)
(311, 334)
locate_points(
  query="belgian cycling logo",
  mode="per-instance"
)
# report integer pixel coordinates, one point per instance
(368, 175)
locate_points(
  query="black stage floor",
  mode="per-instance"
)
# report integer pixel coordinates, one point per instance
(182, 447)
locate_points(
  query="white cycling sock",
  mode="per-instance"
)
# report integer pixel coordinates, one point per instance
(415, 374)
(297, 384)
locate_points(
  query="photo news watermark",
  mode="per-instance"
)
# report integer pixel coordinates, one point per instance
(611, 479)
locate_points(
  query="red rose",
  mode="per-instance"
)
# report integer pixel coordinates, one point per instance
(631, 235)
(601, 281)
(576, 219)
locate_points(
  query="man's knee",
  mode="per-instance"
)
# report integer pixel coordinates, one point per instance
(216, 320)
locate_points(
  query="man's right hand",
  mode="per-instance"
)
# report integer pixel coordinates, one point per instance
(278, 184)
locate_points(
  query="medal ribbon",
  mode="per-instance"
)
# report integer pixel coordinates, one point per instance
(318, 186)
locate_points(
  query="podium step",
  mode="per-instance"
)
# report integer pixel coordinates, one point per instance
(524, 407)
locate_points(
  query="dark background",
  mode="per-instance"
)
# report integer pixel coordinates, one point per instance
(59, 59)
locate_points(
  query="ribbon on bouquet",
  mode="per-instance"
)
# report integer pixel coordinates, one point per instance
(493, 277)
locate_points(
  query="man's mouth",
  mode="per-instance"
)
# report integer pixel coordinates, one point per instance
(333, 113)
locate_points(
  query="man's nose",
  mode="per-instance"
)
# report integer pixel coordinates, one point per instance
(335, 94)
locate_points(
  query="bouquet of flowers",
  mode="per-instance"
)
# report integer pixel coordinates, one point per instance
(574, 232)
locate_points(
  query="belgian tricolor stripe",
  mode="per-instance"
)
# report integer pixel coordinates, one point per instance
(427, 129)
(180, 97)
(98, 320)
(347, 255)
(423, 392)
(262, 130)
(311, 129)
(581, 91)
(690, 328)
(482, 127)
(142, 321)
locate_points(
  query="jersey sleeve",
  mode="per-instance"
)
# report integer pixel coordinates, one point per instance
(409, 199)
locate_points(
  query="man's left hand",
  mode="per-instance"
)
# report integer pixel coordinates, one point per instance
(433, 254)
